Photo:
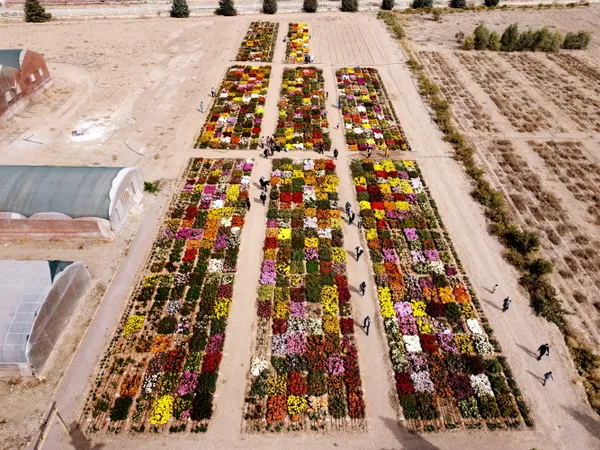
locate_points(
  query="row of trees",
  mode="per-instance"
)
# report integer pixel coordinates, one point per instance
(512, 40)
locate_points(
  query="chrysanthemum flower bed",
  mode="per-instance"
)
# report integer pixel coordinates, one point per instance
(297, 43)
(235, 117)
(302, 122)
(448, 368)
(369, 117)
(161, 369)
(305, 371)
(259, 43)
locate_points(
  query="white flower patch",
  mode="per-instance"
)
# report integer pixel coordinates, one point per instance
(436, 267)
(321, 173)
(258, 365)
(412, 343)
(310, 222)
(361, 108)
(422, 382)
(417, 185)
(315, 326)
(286, 174)
(226, 221)
(325, 233)
(474, 326)
(482, 344)
(481, 385)
(216, 204)
(308, 164)
(215, 265)
(308, 196)
(358, 130)
(296, 325)
(245, 179)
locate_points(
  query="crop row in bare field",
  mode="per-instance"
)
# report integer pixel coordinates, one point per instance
(468, 113)
(574, 255)
(574, 102)
(578, 68)
(569, 162)
(512, 100)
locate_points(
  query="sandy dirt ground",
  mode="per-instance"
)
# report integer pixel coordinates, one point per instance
(135, 86)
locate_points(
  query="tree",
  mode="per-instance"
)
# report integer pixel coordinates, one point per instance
(422, 4)
(482, 37)
(388, 5)
(459, 4)
(226, 8)
(494, 42)
(576, 41)
(510, 38)
(349, 5)
(35, 12)
(269, 6)
(491, 3)
(180, 8)
(310, 6)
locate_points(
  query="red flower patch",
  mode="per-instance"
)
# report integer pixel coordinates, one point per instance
(211, 362)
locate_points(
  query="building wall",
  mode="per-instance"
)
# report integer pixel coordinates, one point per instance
(33, 65)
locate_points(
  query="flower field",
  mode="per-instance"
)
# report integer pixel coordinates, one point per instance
(305, 366)
(369, 118)
(302, 122)
(297, 43)
(259, 43)
(235, 118)
(448, 371)
(161, 370)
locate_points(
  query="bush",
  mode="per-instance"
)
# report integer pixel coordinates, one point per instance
(459, 4)
(510, 38)
(576, 41)
(152, 187)
(270, 6)
(35, 12)
(388, 5)
(120, 409)
(521, 240)
(310, 6)
(180, 9)
(422, 4)
(546, 41)
(226, 8)
(494, 41)
(436, 14)
(469, 43)
(481, 37)
(526, 41)
(491, 3)
(349, 5)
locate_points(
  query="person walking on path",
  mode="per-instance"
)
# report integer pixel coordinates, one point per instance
(263, 197)
(506, 304)
(548, 376)
(335, 153)
(387, 152)
(494, 288)
(248, 204)
(201, 107)
(340, 103)
(212, 92)
(263, 184)
(266, 153)
(359, 223)
(359, 251)
(351, 218)
(338, 126)
(348, 206)
(369, 151)
(326, 95)
(367, 324)
(363, 288)
(544, 350)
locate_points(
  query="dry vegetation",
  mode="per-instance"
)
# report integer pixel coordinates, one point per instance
(586, 73)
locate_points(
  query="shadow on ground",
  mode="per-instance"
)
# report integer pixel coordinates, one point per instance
(80, 441)
(407, 440)
(591, 424)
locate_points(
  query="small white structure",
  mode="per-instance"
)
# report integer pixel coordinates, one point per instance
(37, 300)
(67, 201)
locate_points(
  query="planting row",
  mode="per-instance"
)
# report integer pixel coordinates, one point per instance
(259, 42)
(302, 122)
(369, 118)
(235, 118)
(162, 367)
(447, 368)
(305, 370)
(297, 49)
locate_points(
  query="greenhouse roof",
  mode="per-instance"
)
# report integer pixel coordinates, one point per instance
(74, 191)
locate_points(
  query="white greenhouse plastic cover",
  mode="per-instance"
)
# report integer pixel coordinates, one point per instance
(36, 301)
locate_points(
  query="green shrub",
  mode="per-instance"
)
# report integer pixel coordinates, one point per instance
(548, 42)
(152, 187)
(522, 241)
(422, 4)
(310, 6)
(576, 41)
(270, 6)
(468, 43)
(526, 41)
(35, 12)
(226, 8)
(349, 5)
(494, 41)
(167, 325)
(387, 5)
(481, 37)
(180, 9)
(585, 360)
(510, 38)
(491, 3)
(120, 409)
(458, 4)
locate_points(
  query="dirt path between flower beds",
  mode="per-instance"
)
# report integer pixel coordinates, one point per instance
(563, 419)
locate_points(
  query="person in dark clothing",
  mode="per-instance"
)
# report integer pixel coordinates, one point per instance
(340, 103)
(348, 206)
(548, 376)
(266, 152)
(544, 350)
(359, 251)
(363, 288)
(262, 183)
(352, 217)
(335, 153)
(248, 204)
(263, 197)
(369, 151)
(367, 324)
(506, 304)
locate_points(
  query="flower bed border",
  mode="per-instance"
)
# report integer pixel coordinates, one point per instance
(256, 26)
